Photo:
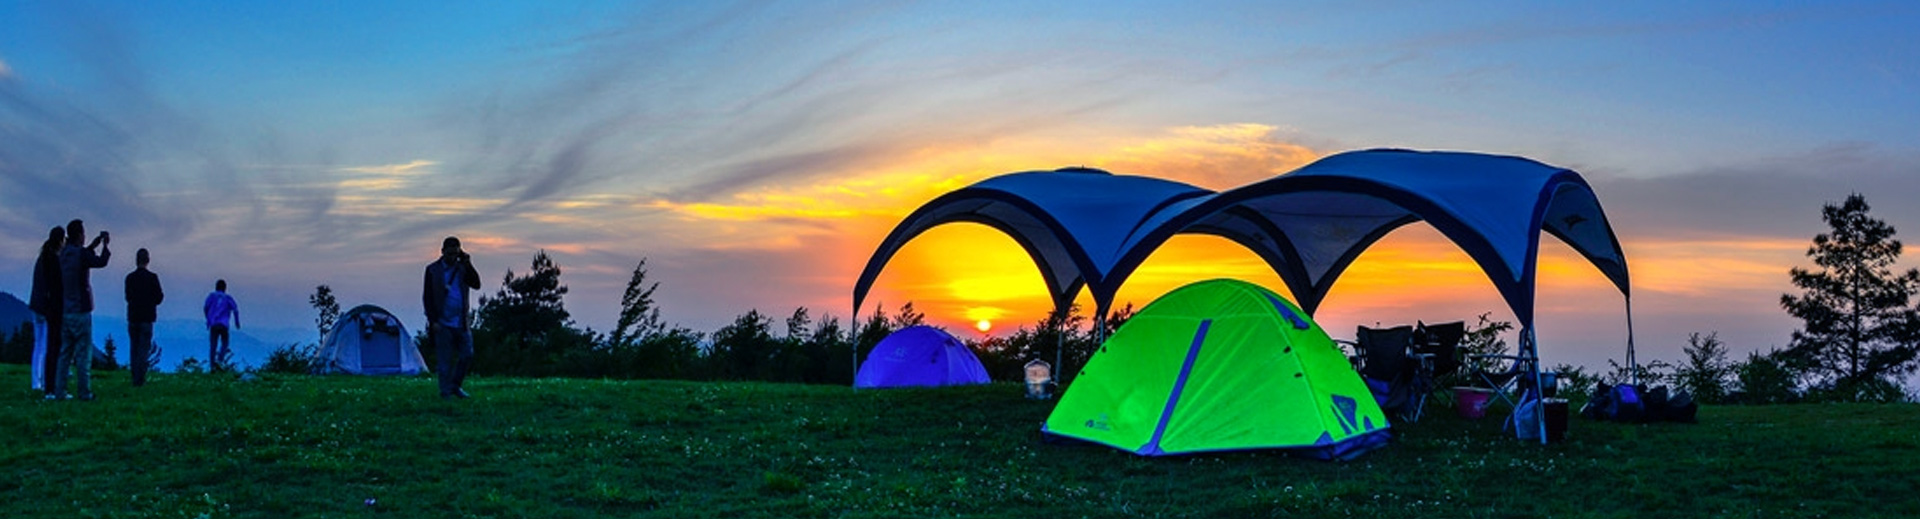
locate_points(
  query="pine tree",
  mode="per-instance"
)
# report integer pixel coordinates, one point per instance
(1859, 330)
(530, 307)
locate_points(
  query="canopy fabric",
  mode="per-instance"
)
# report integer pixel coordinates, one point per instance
(1089, 228)
(1074, 222)
(1310, 224)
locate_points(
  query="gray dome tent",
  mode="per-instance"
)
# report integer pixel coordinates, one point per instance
(369, 340)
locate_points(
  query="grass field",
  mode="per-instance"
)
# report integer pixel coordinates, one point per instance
(295, 446)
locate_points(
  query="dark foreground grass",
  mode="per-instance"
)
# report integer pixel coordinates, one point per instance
(293, 446)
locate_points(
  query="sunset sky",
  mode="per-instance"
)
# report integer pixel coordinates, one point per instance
(755, 153)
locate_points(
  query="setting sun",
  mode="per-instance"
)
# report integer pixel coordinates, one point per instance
(984, 325)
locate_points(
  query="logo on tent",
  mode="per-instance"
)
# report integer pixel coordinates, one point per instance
(1572, 220)
(1348, 411)
(1100, 424)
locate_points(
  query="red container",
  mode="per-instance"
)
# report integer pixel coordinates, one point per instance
(1472, 401)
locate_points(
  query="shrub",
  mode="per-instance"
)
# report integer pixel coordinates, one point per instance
(1706, 370)
(299, 359)
(1765, 378)
(1575, 381)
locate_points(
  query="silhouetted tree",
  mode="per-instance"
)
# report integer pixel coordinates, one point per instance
(1765, 378)
(1706, 370)
(527, 308)
(829, 353)
(1858, 330)
(524, 328)
(18, 346)
(329, 308)
(743, 350)
(639, 315)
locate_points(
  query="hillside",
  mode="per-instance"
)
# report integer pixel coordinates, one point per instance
(288, 446)
(13, 313)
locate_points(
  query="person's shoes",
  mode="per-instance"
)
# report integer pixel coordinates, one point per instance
(461, 393)
(86, 398)
(51, 396)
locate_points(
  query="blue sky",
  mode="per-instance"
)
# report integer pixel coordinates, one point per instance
(284, 145)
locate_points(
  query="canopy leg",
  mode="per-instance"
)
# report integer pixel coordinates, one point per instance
(853, 341)
(1530, 348)
(1633, 366)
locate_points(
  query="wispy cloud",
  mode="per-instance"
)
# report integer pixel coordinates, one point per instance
(415, 167)
(6, 72)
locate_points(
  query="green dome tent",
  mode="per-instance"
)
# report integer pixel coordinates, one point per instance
(1220, 365)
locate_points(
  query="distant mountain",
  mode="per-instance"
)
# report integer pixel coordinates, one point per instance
(179, 339)
(13, 313)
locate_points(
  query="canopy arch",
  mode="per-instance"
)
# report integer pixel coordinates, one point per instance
(1311, 224)
(1074, 222)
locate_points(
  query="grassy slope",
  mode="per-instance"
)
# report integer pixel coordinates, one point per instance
(290, 446)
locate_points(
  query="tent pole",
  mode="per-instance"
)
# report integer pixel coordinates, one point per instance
(853, 341)
(1633, 367)
(1060, 348)
(1100, 328)
(1060, 344)
(1532, 346)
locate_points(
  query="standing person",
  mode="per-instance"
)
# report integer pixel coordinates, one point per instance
(76, 332)
(143, 299)
(49, 308)
(222, 312)
(449, 280)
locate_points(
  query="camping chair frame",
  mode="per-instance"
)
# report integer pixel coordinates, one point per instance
(1417, 371)
(1523, 377)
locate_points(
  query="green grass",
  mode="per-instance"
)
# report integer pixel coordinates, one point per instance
(295, 446)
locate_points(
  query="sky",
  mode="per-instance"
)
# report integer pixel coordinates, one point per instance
(755, 153)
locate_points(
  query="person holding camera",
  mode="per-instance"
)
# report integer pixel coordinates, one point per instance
(449, 282)
(76, 332)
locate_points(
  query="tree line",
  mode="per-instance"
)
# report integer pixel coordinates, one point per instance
(524, 329)
(1860, 334)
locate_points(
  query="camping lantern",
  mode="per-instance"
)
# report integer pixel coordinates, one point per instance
(1039, 375)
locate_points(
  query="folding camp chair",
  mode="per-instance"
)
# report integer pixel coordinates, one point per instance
(1442, 342)
(1438, 345)
(1393, 370)
(1512, 379)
